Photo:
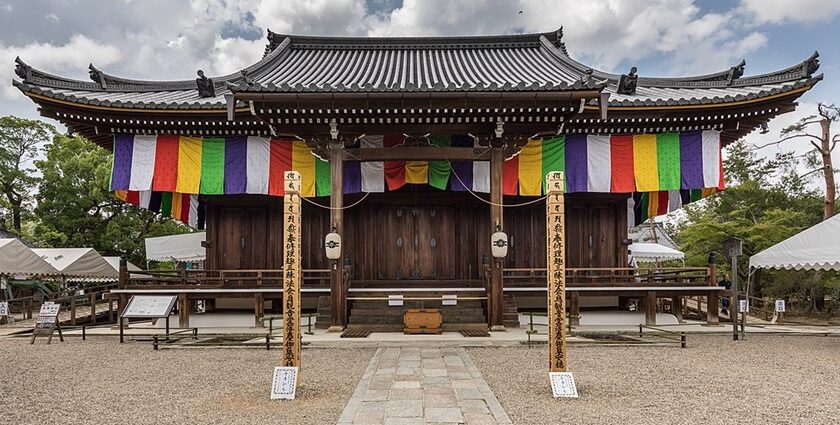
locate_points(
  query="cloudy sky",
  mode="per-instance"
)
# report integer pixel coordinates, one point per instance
(171, 39)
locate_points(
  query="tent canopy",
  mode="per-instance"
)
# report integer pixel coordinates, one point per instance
(81, 262)
(649, 252)
(17, 258)
(184, 247)
(815, 248)
(115, 263)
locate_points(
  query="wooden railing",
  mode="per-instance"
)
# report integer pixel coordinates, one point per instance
(612, 277)
(69, 299)
(220, 279)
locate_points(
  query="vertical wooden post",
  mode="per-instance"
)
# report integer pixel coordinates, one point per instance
(338, 300)
(495, 301)
(183, 310)
(258, 310)
(122, 301)
(72, 309)
(713, 299)
(556, 272)
(650, 308)
(574, 309)
(93, 309)
(291, 271)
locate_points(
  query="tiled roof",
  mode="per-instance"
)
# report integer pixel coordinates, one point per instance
(529, 62)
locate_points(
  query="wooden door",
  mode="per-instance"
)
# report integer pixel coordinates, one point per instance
(395, 237)
(243, 237)
(436, 250)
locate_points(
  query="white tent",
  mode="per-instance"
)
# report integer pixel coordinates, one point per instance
(77, 262)
(650, 252)
(115, 263)
(185, 247)
(816, 248)
(17, 258)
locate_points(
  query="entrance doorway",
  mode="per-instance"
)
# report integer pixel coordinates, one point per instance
(417, 242)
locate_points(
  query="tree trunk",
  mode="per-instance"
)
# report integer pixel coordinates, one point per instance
(830, 194)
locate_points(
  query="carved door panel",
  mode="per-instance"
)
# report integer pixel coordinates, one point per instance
(436, 239)
(395, 235)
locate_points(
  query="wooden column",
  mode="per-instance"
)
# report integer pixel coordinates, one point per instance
(122, 301)
(291, 271)
(259, 304)
(713, 300)
(496, 292)
(556, 272)
(650, 308)
(183, 311)
(574, 308)
(338, 299)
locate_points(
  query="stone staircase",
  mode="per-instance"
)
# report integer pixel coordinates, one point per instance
(377, 316)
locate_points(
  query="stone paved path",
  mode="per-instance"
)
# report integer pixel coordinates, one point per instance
(414, 385)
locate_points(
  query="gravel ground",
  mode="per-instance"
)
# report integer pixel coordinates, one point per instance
(780, 380)
(99, 381)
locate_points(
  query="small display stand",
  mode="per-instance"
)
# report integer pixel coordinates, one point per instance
(47, 323)
(147, 307)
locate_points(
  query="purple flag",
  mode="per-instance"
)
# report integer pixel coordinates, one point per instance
(123, 149)
(352, 177)
(236, 170)
(462, 171)
(691, 159)
(576, 163)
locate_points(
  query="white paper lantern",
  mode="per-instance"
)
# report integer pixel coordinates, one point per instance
(499, 244)
(332, 245)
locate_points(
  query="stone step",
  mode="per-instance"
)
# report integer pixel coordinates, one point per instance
(396, 311)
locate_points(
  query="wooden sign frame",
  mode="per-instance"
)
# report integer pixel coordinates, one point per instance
(290, 356)
(556, 271)
(47, 323)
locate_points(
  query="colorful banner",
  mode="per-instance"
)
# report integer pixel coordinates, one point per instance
(641, 163)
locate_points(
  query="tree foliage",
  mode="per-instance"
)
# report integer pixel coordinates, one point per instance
(19, 142)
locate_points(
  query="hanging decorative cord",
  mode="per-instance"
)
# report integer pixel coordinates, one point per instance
(347, 207)
(540, 199)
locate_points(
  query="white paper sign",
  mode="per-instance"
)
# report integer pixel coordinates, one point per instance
(3, 282)
(563, 384)
(284, 383)
(395, 300)
(49, 309)
(780, 306)
(149, 306)
(449, 299)
(4, 309)
(743, 306)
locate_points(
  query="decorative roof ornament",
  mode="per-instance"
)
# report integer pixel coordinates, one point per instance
(811, 65)
(22, 70)
(587, 78)
(627, 83)
(736, 72)
(245, 78)
(97, 76)
(206, 87)
(558, 41)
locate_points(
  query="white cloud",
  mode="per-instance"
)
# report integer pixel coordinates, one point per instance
(802, 11)
(72, 57)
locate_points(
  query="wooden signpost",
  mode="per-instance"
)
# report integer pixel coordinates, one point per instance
(291, 272)
(47, 322)
(556, 273)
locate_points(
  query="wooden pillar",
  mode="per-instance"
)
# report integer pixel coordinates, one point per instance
(556, 272)
(650, 308)
(259, 303)
(291, 343)
(574, 308)
(122, 301)
(713, 308)
(183, 311)
(495, 295)
(338, 299)
(677, 308)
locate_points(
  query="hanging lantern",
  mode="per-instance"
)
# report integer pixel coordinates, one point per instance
(332, 245)
(499, 244)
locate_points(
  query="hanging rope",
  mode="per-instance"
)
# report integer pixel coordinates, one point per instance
(347, 207)
(540, 199)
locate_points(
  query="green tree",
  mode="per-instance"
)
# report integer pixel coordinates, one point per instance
(19, 142)
(76, 209)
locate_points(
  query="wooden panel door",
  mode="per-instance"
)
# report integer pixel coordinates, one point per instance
(436, 243)
(229, 238)
(395, 237)
(254, 241)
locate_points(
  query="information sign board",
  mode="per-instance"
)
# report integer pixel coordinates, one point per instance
(743, 306)
(780, 306)
(4, 308)
(449, 299)
(284, 383)
(563, 384)
(47, 322)
(149, 306)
